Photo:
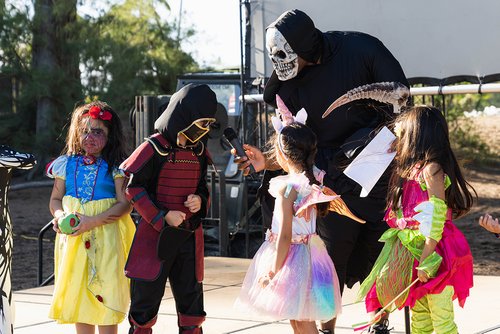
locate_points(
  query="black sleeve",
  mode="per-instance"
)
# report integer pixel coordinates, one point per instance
(384, 66)
(272, 87)
(202, 190)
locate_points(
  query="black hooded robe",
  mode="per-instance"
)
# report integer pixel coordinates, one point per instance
(346, 60)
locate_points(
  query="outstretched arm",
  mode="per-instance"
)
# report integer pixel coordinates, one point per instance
(260, 160)
(490, 224)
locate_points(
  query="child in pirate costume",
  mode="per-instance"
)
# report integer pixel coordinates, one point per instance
(168, 189)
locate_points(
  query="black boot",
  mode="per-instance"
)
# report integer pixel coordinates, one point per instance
(330, 324)
(381, 327)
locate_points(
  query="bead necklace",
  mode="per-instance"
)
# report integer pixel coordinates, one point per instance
(89, 160)
(95, 178)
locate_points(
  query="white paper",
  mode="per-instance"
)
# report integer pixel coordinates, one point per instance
(367, 168)
(234, 192)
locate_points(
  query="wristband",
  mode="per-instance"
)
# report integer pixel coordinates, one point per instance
(430, 264)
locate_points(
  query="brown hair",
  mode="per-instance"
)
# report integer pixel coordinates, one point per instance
(424, 139)
(115, 150)
(299, 147)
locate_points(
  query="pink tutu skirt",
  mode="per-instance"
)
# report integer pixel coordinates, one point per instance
(306, 288)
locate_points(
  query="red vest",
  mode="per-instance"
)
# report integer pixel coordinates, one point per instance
(178, 177)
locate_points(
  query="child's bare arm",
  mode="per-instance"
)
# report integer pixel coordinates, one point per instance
(55, 202)
(285, 216)
(285, 205)
(434, 179)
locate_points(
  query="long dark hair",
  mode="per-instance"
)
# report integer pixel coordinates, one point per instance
(115, 150)
(424, 139)
(298, 143)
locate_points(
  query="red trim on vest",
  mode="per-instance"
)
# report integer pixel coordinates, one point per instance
(160, 138)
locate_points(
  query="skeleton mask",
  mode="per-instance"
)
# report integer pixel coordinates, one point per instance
(285, 60)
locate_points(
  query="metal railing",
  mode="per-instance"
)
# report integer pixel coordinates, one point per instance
(417, 91)
(50, 278)
(217, 178)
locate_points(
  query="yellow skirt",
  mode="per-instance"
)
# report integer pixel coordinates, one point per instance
(90, 284)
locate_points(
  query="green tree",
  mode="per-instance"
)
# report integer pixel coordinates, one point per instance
(133, 52)
(128, 49)
(55, 73)
(15, 59)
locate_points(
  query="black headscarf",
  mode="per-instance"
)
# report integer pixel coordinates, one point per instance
(300, 32)
(190, 103)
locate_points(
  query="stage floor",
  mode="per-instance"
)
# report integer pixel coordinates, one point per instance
(223, 278)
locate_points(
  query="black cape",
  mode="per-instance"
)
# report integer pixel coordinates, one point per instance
(348, 60)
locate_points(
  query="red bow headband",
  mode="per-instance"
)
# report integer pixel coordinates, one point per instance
(97, 113)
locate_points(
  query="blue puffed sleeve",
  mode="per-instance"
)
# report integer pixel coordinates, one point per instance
(117, 172)
(57, 168)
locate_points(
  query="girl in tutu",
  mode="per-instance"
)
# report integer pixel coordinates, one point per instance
(90, 285)
(292, 275)
(423, 249)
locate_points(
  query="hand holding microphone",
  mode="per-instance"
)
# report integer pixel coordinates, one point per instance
(232, 138)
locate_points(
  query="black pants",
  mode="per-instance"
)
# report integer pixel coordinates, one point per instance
(188, 292)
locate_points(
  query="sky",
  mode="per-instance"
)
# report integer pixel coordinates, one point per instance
(217, 24)
(217, 41)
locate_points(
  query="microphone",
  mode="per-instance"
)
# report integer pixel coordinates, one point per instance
(232, 138)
